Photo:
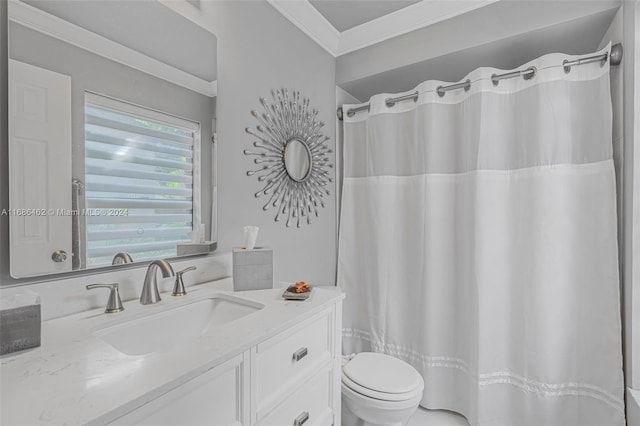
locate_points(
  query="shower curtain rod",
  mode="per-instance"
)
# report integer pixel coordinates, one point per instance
(614, 59)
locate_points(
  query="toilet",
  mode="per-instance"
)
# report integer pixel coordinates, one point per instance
(378, 389)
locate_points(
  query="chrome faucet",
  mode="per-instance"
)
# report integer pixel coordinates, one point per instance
(121, 258)
(150, 292)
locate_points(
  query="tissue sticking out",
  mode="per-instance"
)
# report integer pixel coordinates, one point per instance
(250, 237)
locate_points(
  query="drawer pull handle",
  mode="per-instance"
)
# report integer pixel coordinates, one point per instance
(299, 354)
(301, 419)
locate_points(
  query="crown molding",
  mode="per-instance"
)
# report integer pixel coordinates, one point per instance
(60, 29)
(405, 20)
(307, 18)
(427, 12)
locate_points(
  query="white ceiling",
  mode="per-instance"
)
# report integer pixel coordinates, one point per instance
(344, 26)
(346, 14)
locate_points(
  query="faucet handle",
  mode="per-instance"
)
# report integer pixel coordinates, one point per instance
(178, 288)
(114, 304)
(190, 268)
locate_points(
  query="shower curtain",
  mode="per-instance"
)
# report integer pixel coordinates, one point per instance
(478, 243)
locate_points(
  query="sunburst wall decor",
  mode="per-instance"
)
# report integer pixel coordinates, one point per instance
(293, 157)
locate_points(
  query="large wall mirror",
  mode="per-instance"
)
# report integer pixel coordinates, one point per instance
(111, 127)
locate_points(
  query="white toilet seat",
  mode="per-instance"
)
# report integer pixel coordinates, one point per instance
(383, 396)
(382, 377)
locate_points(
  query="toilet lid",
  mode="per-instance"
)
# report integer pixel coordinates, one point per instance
(382, 373)
(347, 382)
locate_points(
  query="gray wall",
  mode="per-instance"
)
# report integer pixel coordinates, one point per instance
(259, 50)
(631, 168)
(615, 34)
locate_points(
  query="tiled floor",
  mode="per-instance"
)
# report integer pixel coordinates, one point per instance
(424, 417)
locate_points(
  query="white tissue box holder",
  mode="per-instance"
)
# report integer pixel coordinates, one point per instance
(20, 328)
(252, 269)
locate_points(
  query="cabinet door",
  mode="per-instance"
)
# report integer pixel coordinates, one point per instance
(215, 398)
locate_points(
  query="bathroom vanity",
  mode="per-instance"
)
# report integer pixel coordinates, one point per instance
(212, 357)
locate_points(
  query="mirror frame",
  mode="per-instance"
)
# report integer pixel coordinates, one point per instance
(288, 119)
(182, 78)
(288, 167)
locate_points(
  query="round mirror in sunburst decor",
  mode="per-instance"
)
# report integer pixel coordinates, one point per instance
(293, 157)
(297, 159)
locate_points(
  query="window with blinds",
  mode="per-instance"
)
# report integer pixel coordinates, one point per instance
(139, 180)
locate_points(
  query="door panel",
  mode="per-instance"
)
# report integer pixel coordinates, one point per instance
(39, 169)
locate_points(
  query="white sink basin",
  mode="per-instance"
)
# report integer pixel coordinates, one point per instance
(160, 331)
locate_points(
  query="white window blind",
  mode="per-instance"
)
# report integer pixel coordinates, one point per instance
(139, 180)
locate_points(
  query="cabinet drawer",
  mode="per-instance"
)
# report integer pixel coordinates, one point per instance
(309, 405)
(287, 358)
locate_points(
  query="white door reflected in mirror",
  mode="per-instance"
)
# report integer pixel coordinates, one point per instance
(39, 169)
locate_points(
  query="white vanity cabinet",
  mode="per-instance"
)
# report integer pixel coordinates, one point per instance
(279, 365)
(216, 397)
(291, 378)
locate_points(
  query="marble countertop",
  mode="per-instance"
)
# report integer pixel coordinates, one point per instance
(76, 378)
